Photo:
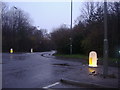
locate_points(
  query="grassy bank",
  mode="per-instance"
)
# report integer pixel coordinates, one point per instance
(79, 56)
(85, 59)
(75, 56)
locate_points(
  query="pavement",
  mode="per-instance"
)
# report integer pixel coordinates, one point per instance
(84, 77)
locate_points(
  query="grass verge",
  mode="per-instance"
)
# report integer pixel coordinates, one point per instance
(85, 59)
(75, 56)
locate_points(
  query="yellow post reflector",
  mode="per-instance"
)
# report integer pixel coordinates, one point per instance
(31, 50)
(11, 50)
(90, 61)
(92, 70)
(93, 59)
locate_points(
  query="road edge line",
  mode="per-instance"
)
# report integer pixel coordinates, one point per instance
(51, 85)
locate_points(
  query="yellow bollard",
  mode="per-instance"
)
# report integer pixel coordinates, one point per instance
(93, 59)
(11, 50)
(90, 61)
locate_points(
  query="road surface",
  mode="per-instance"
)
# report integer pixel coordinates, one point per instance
(35, 70)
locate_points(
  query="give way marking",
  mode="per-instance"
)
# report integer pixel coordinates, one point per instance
(46, 87)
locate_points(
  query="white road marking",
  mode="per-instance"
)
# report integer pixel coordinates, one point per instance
(51, 85)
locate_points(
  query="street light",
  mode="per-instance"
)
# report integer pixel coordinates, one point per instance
(13, 23)
(105, 61)
(15, 7)
(71, 31)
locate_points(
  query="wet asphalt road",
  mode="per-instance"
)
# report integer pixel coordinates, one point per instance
(35, 70)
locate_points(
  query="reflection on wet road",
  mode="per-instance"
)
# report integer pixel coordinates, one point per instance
(31, 70)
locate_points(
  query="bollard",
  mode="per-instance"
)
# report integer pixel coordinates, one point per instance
(31, 50)
(11, 50)
(93, 59)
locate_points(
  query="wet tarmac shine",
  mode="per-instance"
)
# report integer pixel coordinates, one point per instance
(32, 70)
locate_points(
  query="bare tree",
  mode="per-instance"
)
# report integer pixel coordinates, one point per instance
(88, 10)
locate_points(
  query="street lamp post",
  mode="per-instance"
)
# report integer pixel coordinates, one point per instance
(15, 22)
(105, 61)
(13, 25)
(71, 31)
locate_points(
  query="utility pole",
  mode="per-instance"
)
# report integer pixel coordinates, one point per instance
(71, 31)
(105, 61)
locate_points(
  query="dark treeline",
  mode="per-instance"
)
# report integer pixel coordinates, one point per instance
(88, 32)
(18, 32)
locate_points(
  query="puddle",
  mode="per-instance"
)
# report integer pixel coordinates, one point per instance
(18, 74)
(61, 64)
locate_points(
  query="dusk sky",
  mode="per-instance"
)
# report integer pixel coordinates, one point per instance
(49, 15)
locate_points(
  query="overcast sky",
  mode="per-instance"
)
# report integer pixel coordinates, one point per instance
(49, 15)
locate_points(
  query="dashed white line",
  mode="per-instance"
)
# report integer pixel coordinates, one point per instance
(51, 85)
